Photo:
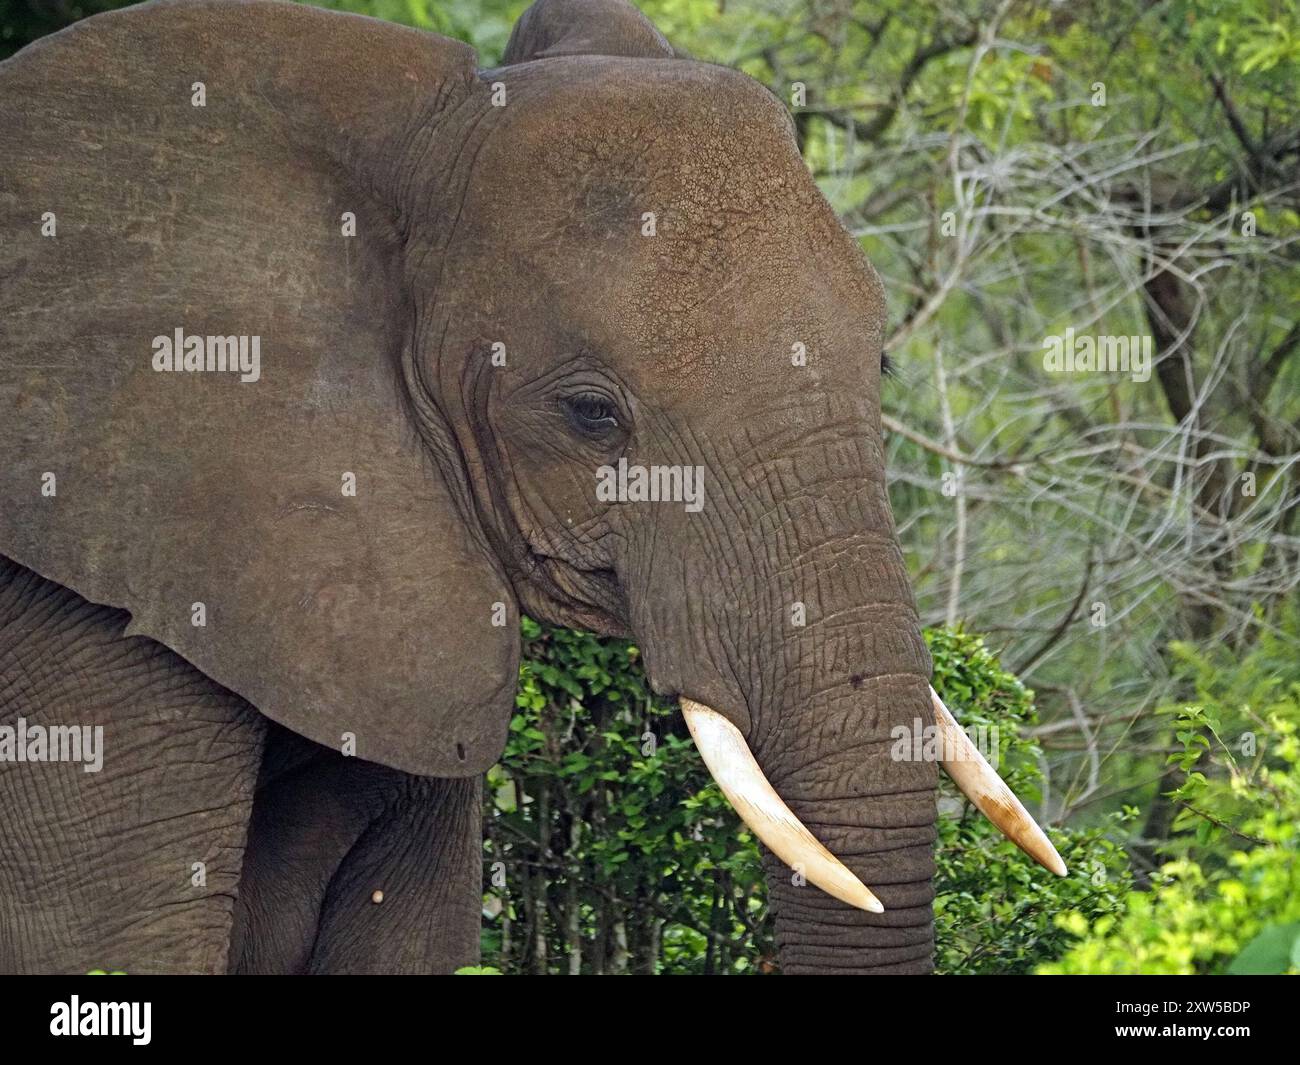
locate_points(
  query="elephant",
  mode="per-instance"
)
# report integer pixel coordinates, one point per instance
(326, 354)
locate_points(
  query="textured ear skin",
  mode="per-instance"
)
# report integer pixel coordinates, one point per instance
(584, 27)
(369, 614)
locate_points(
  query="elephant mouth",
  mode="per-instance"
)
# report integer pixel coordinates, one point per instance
(728, 758)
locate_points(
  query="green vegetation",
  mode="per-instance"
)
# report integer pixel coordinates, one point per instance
(618, 852)
(995, 909)
(1228, 899)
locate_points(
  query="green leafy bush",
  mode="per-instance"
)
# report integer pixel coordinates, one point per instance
(995, 909)
(1228, 900)
(618, 853)
(611, 850)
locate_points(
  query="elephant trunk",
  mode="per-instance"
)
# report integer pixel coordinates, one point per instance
(835, 695)
(806, 640)
(875, 812)
(844, 761)
(840, 788)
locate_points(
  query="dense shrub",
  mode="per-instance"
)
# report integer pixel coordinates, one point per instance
(1228, 900)
(996, 910)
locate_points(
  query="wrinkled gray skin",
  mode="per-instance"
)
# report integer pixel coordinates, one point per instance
(388, 619)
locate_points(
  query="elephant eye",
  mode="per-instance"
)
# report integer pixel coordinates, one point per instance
(591, 414)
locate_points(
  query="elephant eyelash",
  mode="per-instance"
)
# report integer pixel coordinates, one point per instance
(886, 365)
(591, 414)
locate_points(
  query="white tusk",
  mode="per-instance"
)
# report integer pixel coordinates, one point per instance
(989, 792)
(733, 766)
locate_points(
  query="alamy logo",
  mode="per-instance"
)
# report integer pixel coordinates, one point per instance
(53, 743)
(651, 484)
(1102, 354)
(103, 1018)
(180, 353)
(920, 742)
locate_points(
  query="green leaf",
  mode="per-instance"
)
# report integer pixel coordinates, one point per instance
(1270, 953)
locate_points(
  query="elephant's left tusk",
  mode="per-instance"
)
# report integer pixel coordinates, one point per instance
(989, 792)
(737, 772)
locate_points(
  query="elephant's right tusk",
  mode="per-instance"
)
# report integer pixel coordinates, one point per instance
(989, 792)
(734, 767)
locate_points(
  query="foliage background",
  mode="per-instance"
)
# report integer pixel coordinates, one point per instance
(1130, 549)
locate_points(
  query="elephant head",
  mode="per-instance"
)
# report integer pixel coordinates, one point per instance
(327, 352)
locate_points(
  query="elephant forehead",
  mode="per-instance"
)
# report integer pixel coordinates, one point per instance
(589, 146)
(736, 338)
(663, 207)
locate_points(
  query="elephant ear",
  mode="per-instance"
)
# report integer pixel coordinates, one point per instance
(584, 27)
(202, 168)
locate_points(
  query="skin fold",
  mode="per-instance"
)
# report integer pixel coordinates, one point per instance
(597, 251)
